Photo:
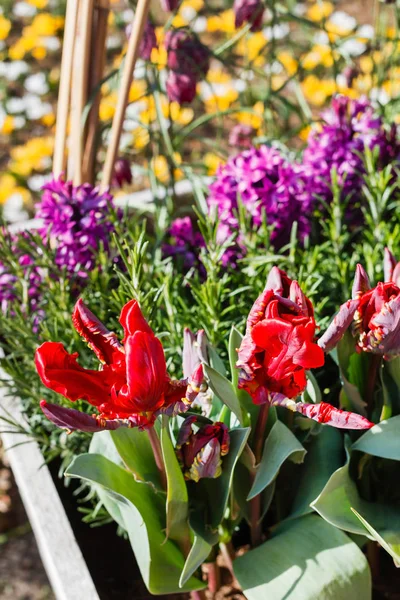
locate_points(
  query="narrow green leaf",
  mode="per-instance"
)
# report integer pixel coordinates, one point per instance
(393, 550)
(280, 445)
(197, 555)
(139, 510)
(224, 390)
(310, 559)
(381, 440)
(235, 339)
(177, 496)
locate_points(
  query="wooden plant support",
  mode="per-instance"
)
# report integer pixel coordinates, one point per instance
(82, 69)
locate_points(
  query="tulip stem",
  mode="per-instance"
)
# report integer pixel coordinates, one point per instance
(255, 504)
(375, 363)
(158, 457)
(213, 576)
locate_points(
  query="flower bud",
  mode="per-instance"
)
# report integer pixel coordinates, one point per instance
(248, 11)
(241, 136)
(122, 173)
(181, 87)
(200, 453)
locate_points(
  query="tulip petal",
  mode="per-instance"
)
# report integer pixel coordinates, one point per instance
(132, 320)
(396, 275)
(146, 370)
(72, 420)
(326, 413)
(338, 326)
(102, 341)
(385, 326)
(60, 372)
(278, 282)
(389, 264)
(361, 282)
(207, 463)
(190, 354)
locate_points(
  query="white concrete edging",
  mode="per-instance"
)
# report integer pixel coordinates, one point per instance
(62, 558)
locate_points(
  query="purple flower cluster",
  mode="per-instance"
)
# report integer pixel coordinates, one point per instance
(185, 243)
(348, 127)
(30, 273)
(75, 220)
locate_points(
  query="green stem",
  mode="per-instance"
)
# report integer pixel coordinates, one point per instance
(158, 457)
(255, 504)
(375, 363)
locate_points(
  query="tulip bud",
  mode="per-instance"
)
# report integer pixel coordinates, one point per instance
(181, 87)
(361, 282)
(149, 41)
(200, 453)
(249, 11)
(186, 54)
(169, 5)
(122, 173)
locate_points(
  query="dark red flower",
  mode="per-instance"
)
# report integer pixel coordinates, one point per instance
(249, 11)
(373, 317)
(122, 173)
(200, 453)
(132, 385)
(279, 343)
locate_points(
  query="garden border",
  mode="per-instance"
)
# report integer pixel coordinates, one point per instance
(62, 558)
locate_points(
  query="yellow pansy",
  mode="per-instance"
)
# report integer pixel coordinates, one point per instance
(363, 83)
(366, 64)
(159, 56)
(34, 155)
(160, 166)
(8, 125)
(39, 52)
(317, 91)
(5, 26)
(252, 119)
(137, 90)
(318, 55)
(212, 162)
(107, 107)
(223, 23)
(45, 24)
(8, 187)
(179, 21)
(217, 75)
(48, 119)
(197, 5)
(220, 103)
(252, 46)
(320, 10)
(40, 4)
(289, 63)
(304, 133)
(140, 138)
(180, 114)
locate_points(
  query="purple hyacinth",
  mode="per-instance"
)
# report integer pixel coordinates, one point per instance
(76, 220)
(185, 243)
(29, 273)
(348, 127)
(267, 184)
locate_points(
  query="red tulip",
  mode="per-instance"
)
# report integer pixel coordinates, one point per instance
(373, 317)
(200, 453)
(132, 385)
(279, 343)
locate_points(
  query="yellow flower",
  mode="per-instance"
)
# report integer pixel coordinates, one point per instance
(225, 22)
(220, 103)
(9, 187)
(40, 4)
(5, 26)
(159, 164)
(304, 133)
(252, 46)
(48, 119)
(317, 91)
(159, 57)
(137, 90)
(252, 119)
(288, 62)
(392, 86)
(366, 64)
(320, 10)
(39, 52)
(217, 75)
(107, 107)
(318, 55)
(8, 125)
(180, 114)
(212, 162)
(34, 155)
(197, 5)
(363, 83)
(179, 21)
(45, 24)
(140, 138)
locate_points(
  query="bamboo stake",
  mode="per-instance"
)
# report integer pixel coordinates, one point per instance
(98, 53)
(138, 25)
(65, 87)
(80, 89)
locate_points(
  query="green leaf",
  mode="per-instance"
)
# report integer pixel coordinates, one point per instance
(224, 390)
(309, 560)
(324, 456)
(197, 555)
(280, 444)
(340, 496)
(135, 449)
(235, 339)
(209, 497)
(102, 443)
(312, 391)
(141, 512)
(177, 496)
(381, 440)
(393, 550)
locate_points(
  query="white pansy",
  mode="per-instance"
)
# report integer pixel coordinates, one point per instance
(200, 25)
(37, 84)
(353, 47)
(51, 42)
(277, 32)
(127, 15)
(188, 13)
(15, 105)
(36, 182)
(343, 20)
(13, 70)
(13, 208)
(23, 9)
(366, 31)
(321, 38)
(113, 42)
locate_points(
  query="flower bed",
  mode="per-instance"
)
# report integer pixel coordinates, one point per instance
(218, 373)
